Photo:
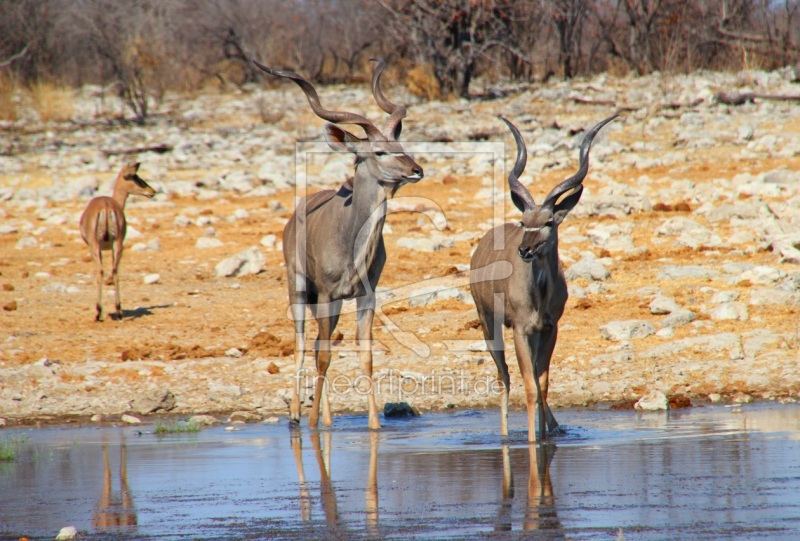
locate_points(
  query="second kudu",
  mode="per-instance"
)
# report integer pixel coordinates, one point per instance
(333, 243)
(531, 299)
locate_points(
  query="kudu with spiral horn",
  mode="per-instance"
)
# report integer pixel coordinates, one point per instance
(531, 299)
(333, 243)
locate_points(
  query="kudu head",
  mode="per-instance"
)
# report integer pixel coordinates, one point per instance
(540, 223)
(380, 152)
(128, 178)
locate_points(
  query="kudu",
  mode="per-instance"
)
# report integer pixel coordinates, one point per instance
(333, 243)
(531, 299)
(103, 227)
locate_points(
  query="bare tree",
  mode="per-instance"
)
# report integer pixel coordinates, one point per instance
(453, 35)
(568, 17)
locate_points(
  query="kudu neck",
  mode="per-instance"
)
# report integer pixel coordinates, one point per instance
(369, 197)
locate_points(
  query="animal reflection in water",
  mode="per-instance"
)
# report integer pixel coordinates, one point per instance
(114, 510)
(540, 508)
(322, 448)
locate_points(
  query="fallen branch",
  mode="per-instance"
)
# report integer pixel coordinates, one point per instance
(590, 101)
(740, 98)
(158, 149)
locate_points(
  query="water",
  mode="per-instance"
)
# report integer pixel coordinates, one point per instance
(705, 473)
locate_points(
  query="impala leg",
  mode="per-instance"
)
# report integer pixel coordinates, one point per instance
(327, 314)
(523, 347)
(493, 334)
(116, 256)
(543, 353)
(97, 255)
(366, 313)
(298, 307)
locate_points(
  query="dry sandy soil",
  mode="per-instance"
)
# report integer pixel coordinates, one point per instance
(176, 332)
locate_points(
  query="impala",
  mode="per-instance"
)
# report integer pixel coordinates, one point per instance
(103, 228)
(531, 299)
(333, 243)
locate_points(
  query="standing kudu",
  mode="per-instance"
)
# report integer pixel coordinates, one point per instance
(333, 243)
(530, 300)
(103, 227)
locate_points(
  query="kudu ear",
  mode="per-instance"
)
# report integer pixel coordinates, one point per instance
(566, 204)
(341, 140)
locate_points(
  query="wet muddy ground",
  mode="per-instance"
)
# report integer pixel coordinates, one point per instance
(702, 473)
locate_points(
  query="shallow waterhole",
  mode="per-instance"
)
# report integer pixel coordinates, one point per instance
(702, 473)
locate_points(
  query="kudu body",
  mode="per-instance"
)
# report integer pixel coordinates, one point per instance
(531, 299)
(333, 243)
(103, 228)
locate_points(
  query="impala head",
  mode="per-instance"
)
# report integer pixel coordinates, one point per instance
(380, 152)
(540, 223)
(134, 184)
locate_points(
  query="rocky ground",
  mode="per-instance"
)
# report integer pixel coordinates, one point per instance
(682, 256)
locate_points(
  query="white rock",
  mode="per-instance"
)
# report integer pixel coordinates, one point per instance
(736, 311)
(425, 244)
(233, 352)
(207, 242)
(67, 533)
(55, 287)
(652, 401)
(26, 242)
(130, 419)
(627, 330)
(152, 278)
(249, 261)
(268, 241)
(181, 220)
(588, 269)
(666, 333)
(724, 296)
(678, 318)
(663, 305)
(766, 296)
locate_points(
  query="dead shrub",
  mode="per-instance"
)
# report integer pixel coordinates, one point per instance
(54, 103)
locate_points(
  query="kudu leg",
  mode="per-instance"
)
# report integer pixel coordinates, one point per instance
(540, 512)
(371, 493)
(366, 313)
(305, 496)
(298, 307)
(504, 515)
(530, 379)
(329, 502)
(493, 335)
(327, 314)
(543, 353)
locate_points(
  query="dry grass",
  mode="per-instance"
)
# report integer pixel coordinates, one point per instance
(8, 107)
(53, 103)
(421, 82)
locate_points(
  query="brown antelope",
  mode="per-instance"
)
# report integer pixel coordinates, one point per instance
(531, 300)
(333, 243)
(103, 227)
